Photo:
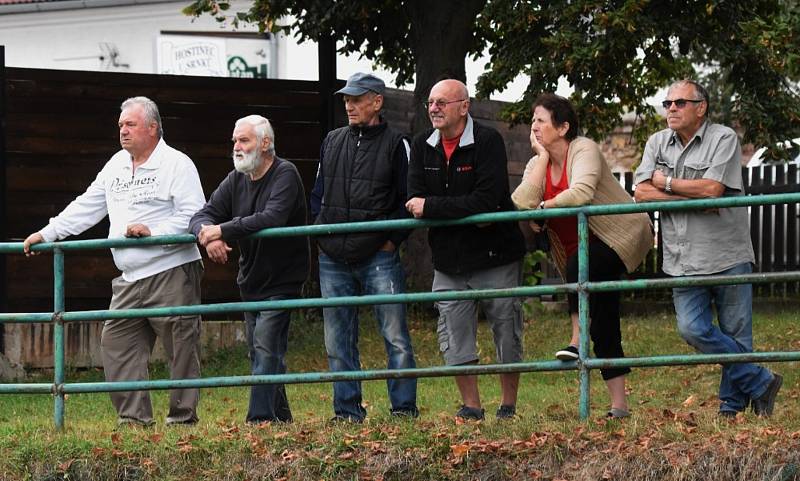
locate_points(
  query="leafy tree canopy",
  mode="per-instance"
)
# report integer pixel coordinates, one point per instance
(418, 40)
(615, 53)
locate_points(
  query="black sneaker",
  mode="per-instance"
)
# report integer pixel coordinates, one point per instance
(506, 411)
(727, 414)
(468, 413)
(764, 405)
(569, 353)
(616, 413)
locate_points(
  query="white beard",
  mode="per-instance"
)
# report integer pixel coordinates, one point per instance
(244, 162)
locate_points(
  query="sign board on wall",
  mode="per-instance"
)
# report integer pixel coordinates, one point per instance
(250, 57)
(178, 55)
(214, 56)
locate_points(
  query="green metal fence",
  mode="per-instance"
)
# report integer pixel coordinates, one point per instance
(59, 388)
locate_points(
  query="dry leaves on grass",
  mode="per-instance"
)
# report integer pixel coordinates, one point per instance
(184, 444)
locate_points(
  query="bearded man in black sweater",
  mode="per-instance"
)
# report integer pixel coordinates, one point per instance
(262, 191)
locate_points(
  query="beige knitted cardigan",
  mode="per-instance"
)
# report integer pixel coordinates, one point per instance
(591, 182)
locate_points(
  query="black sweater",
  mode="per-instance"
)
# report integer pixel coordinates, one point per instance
(474, 182)
(267, 266)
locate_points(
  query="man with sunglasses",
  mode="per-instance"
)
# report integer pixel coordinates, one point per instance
(693, 159)
(457, 169)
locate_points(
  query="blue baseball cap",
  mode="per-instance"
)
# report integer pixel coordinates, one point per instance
(360, 83)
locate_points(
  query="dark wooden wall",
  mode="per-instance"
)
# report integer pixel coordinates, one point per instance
(61, 127)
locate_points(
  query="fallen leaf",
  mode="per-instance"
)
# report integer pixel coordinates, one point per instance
(459, 450)
(64, 467)
(287, 455)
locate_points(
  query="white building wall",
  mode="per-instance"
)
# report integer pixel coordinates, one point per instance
(72, 40)
(77, 39)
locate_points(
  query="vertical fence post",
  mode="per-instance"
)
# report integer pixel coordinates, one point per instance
(58, 337)
(327, 81)
(3, 200)
(583, 312)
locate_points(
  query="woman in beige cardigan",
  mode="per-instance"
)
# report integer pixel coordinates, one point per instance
(570, 171)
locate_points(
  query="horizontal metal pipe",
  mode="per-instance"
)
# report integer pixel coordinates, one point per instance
(524, 291)
(400, 224)
(692, 281)
(25, 317)
(693, 359)
(318, 377)
(32, 388)
(436, 371)
(301, 303)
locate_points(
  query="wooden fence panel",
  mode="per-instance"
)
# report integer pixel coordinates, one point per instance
(792, 234)
(61, 128)
(778, 253)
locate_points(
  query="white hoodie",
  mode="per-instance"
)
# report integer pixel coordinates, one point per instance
(162, 194)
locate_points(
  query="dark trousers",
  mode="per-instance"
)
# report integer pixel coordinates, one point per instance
(267, 339)
(604, 330)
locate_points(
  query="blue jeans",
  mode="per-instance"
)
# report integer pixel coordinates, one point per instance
(267, 338)
(740, 382)
(380, 274)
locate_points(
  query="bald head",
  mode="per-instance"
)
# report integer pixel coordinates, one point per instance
(452, 86)
(448, 106)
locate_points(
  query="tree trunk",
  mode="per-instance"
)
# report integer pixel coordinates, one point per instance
(441, 35)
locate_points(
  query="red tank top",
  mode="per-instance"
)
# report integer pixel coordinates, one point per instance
(566, 228)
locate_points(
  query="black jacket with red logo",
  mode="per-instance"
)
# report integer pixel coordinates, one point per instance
(474, 182)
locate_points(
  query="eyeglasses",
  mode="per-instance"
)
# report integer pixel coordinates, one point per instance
(680, 103)
(440, 103)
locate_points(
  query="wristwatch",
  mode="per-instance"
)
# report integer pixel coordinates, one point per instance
(668, 185)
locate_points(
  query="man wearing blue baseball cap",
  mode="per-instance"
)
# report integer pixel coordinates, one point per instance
(362, 177)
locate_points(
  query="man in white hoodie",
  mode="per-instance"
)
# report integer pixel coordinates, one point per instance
(147, 188)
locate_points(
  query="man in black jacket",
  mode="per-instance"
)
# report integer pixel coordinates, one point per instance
(263, 191)
(362, 177)
(459, 169)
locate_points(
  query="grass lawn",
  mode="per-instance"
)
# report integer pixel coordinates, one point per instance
(673, 434)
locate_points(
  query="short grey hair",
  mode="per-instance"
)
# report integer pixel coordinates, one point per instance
(150, 111)
(699, 91)
(464, 90)
(263, 129)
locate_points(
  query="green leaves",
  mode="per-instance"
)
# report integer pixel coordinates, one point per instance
(616, 54)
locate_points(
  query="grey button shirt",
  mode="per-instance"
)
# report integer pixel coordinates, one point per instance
(696, 242)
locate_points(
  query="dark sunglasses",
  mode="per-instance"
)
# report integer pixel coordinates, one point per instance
(680, 103)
